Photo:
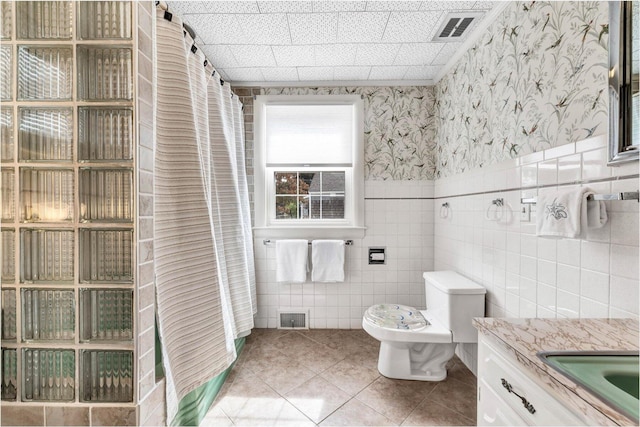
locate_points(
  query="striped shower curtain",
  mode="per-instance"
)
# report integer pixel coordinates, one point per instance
(205, 278)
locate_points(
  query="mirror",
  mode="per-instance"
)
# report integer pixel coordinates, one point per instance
(624, 98)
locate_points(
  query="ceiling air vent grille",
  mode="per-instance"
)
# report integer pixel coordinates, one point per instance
(456, 26)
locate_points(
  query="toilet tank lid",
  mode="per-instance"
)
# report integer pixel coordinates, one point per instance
(451, 282)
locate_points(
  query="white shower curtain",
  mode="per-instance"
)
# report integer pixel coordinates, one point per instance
(231, 233)
(205, 278)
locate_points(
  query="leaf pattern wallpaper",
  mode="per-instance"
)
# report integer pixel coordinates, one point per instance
(536, 79)
(399, 128)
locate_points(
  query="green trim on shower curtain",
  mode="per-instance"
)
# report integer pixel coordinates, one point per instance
(195, 405)
(159, 368)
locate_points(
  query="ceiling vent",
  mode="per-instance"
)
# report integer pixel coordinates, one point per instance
(456, 26)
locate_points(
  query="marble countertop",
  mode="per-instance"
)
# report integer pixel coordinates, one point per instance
(524, 338)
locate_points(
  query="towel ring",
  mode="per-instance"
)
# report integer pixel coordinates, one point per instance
(498, 212)
(444, 210)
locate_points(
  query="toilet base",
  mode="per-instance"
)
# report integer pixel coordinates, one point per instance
(415, 361)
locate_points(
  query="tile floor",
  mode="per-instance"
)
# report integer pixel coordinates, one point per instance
(328, 377)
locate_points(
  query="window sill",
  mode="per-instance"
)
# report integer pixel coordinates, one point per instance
(283, 232)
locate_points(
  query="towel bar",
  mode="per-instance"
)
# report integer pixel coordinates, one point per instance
(268, 242)
(627, 195)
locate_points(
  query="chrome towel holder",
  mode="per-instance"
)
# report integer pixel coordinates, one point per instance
(625, 195)
(267, 242)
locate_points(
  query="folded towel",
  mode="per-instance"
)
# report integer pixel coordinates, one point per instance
(568, 214)
(291, 261)
(327, 258)
(596, 213)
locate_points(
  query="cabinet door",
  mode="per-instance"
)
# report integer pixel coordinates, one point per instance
(493, 411)
(508, 380)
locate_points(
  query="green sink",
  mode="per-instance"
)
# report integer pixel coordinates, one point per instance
(610, 376)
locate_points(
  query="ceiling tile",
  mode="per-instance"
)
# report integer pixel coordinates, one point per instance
(313, 28)
(319, 41)
(285, 6)
(411, 26)
(269, 29)
(446, 53)
(376, 54)
(220, 56)
(351, 73)
(356, 27)
(339, 6)
(417, 53)
(199, 7)
(294, 56)
(223, 74)
(312, 74)
(280, 74)
(416, 72)
(216, 28)
(253, 56)
(387, 73)
(335, 54)
(393, 5)
(448, 5)
(242, 74)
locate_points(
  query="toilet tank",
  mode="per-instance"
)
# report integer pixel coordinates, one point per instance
(454, 301)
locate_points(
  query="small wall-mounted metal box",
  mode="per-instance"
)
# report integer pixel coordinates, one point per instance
(377, 255)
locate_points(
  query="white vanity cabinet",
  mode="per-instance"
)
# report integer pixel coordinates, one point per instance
(508, 396)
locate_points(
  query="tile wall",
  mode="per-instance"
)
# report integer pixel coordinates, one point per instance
(398, 216)
(530, 276)
(151, 409)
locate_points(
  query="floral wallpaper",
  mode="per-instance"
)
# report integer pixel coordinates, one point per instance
(536, 79)
(399, 129)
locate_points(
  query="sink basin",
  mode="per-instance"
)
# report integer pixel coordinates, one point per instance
(610, 376)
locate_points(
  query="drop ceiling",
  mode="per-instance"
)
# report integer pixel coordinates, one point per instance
(329, 42)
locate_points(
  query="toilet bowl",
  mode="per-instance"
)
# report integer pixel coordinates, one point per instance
(417, 344)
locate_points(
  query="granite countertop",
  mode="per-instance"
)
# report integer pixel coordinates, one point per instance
(525, 337)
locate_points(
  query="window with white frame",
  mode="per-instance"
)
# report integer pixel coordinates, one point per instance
(309, 173)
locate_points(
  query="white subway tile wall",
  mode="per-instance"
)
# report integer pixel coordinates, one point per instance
(399, 215)
(544, 277)
(530, 276)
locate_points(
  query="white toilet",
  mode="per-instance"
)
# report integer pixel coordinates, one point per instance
(417, 344)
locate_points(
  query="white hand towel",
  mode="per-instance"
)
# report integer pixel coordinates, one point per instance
(596, 213)
(327, 259)
(291, 260)
(568, 214)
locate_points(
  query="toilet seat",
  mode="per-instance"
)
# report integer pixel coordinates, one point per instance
(395, 316)
(383, 322)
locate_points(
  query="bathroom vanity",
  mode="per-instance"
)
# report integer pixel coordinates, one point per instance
(515, 385)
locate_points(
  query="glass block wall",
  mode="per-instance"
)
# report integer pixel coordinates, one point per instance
(69, 128)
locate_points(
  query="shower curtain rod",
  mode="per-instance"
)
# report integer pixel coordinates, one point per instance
(188, 30)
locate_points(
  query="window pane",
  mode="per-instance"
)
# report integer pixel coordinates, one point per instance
(333, 206)
(305, 181)
(303, 207)
(333, 181)
(310, 195)
(314, 207)
(286, 182)
(286, 207)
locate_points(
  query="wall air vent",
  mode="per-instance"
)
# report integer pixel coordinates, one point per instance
(456, 26)
(293, 319)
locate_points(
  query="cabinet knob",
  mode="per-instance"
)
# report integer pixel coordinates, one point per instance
(528, 406)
